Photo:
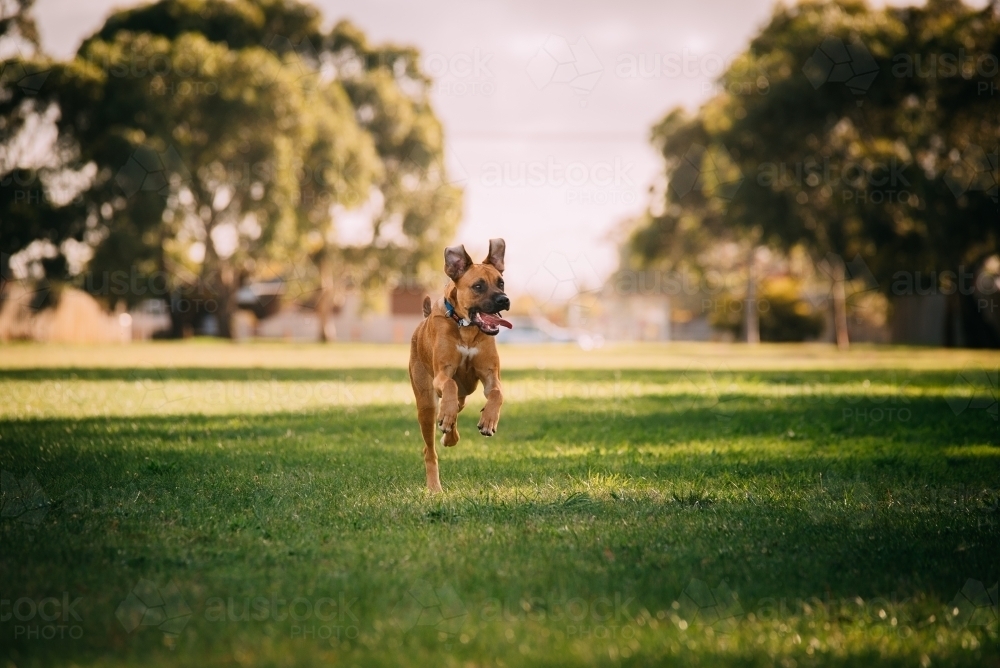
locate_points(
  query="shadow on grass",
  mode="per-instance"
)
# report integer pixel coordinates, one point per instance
(638, 496)
(695, 458)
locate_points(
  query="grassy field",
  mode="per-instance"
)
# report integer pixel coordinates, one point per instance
(209, 504)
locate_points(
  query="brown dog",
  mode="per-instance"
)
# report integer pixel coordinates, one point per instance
(453, 349)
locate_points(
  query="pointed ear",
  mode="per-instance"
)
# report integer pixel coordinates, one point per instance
(495, 257)
(456, 262)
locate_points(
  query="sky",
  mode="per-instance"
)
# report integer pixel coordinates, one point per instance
(546, 107)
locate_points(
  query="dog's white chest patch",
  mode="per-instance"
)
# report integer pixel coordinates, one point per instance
(467, 352)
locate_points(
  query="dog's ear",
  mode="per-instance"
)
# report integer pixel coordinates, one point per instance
(456, 262)
(495, 256)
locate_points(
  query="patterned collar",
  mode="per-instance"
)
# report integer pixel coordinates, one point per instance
(462, 322)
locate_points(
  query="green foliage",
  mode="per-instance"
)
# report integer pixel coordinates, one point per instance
(784, 134)
(784, 315)
(788, 316)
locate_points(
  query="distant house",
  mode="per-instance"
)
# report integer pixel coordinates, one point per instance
(396, 326)
(634, 317)
(69, 316)
(266, 313)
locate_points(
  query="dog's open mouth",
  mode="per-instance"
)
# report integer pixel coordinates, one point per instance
(490, 323)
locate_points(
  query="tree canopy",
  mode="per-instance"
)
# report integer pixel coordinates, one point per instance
(846, 130)
(210, 133)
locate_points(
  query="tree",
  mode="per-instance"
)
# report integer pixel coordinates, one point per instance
(259, 128)
(196, 152)
(415, 208)
(845, 151)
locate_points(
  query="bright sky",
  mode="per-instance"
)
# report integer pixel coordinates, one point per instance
(538, 89)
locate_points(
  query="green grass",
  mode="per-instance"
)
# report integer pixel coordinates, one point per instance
(642, 505)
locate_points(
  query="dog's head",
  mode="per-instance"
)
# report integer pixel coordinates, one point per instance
(477, 289)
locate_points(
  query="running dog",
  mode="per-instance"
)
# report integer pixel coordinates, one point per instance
(453, 349)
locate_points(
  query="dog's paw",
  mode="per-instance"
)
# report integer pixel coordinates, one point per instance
(446, 422)
(450, 439)
(487, 427)
(489, 417)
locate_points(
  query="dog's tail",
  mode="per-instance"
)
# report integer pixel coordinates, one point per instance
(427, 306)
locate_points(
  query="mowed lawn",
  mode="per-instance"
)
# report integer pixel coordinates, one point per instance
(208, 504)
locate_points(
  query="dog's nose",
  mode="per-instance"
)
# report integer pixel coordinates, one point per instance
(501, 301)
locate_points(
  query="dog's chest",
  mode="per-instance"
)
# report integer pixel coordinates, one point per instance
(467, 352)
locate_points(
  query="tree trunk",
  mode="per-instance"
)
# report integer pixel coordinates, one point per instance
(975, 314)
(218, 279)
(840, 303)
(325, 302)
(951, 319)
(751, 314)
(226, 300)
(4, 273)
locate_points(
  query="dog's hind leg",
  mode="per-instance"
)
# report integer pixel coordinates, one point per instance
(425, 415)
(426, 400)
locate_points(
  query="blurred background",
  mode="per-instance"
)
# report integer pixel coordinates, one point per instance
(727, 171)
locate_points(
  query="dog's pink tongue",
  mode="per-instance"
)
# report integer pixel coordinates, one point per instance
(493, 321)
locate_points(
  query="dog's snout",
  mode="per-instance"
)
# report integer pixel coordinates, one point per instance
(502, 302)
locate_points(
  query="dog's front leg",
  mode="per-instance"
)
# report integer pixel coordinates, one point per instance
(494, 400)
(447, 389)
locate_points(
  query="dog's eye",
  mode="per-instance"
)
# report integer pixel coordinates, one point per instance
(500, 284)
(479, 286)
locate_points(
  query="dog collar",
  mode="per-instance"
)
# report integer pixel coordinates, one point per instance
(462, 322)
